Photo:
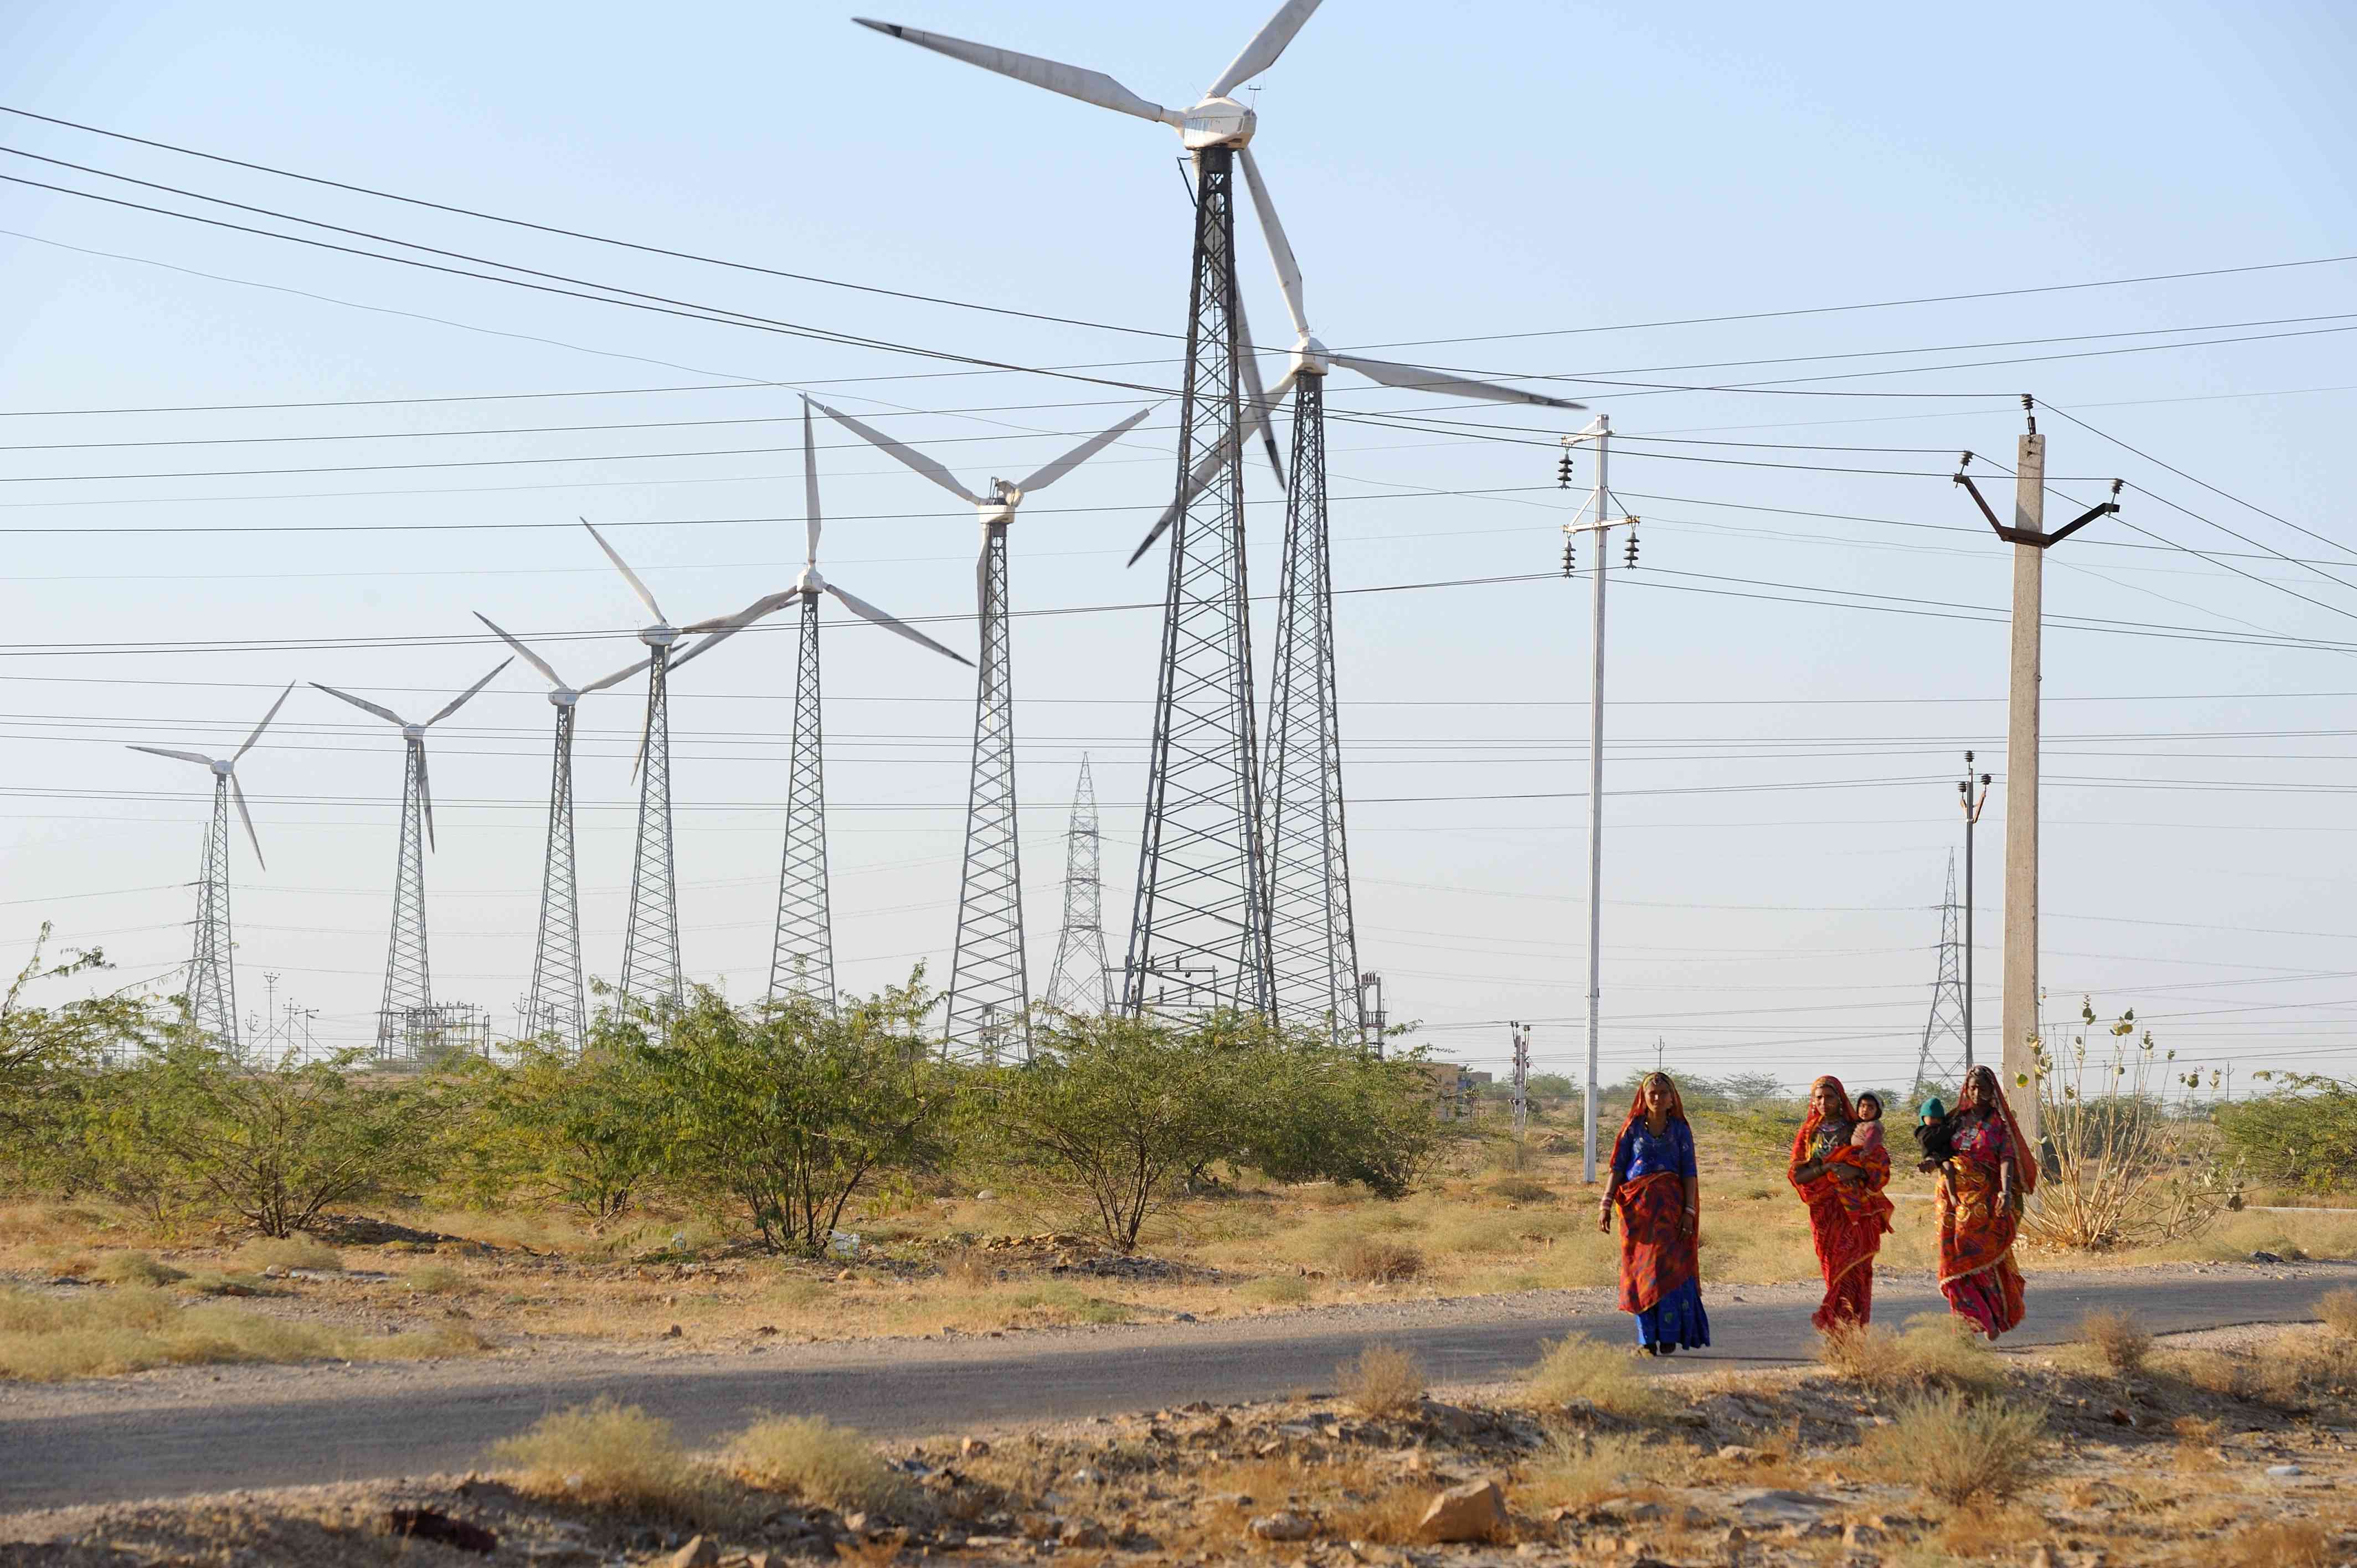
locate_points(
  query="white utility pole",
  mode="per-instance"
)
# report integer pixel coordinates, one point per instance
(1599, 431)
(1521, 1097)
(2030, 542)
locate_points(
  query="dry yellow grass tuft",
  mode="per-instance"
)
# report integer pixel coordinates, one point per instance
(1578, 1367)
(613, 1455)
(2339, 1310)
(2118, 1338)
(134, 1328)
(970, 1269)
(811, 1458)
(1276, 1290)
(294, 1252)
(1958, 1449)
(2283, 1543)
(1385, 1381)
(1577, 1473)
(1934, 1351)
(136, 1268)
(438, 1279)
(1371, 1260)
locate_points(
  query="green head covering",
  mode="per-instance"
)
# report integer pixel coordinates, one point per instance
(1931, 1110)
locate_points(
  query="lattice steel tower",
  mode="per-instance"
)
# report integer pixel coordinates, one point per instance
(1313, 944)
(1198, 936)
(802, 963)
(1082, 980)
(1946, 1050)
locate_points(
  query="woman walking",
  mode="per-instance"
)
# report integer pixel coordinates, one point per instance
(1982, 1185)
(1654, 1183)
(1842, 1183)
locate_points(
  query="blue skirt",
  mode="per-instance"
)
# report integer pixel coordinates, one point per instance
(1678, 1320)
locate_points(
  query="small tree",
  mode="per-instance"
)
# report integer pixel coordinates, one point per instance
(2304, 1135)
(45, 1051)
(582, 1131)
(781, 1112)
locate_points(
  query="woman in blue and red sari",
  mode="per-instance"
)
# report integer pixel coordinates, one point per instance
(1842, 1183)
(1654, 1185)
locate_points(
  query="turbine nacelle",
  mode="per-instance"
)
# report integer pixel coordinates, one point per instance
(563, 697)
(412, 732)
(809, 585)
(998, 507)
(660, 634)
(1217, 122)
(223, 767)
(1310, 358)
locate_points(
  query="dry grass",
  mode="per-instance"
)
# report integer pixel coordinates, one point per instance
(294, 1252)
(1372, 1260)
(1933, 1351)
(438, 1279)
(1276, 1290)
(1578, 1472)
(1522, 1189)
(611, 1454)
(2282, 1543)
(970, 1268)
(2197, 1444)
(2339, 1310)
(1578, 1367)
(1385, 1381)
(2118, 1338)
(810, 1458)
(1958, 1449)
(135, 1269)
(134, 1328)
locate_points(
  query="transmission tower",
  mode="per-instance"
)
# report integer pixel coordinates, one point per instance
(1078, 984)
(559, 1006)
(408, 980)
(990, 993)
(212, 976)
(1314, 947)
(1198, 936)
(651, 974)
(802, 962)
(1946, 1049)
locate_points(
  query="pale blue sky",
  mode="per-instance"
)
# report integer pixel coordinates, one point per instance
(1538, 169)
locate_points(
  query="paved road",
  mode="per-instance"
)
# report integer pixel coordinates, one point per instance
(330, 1425)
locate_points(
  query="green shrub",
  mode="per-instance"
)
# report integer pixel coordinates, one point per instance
(2304, 1135)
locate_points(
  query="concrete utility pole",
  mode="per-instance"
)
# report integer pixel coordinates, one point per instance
(1599, 431)
(1522, 1096)
(2030, 542)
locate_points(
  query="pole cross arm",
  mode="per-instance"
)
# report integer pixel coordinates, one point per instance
(2012, 535)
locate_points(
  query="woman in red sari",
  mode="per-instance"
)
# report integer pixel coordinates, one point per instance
(1654, 1185)
(1979, 1203)
(1842, 1184)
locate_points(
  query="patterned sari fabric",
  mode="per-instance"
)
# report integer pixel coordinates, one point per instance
(1660, 1275)
(1976, 1226)
(1846, 1218)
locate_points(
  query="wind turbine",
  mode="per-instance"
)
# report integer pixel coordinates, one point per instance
(990, 991)
(559, 1004)
(213, 973)
(1201, 927)
(408, 979)
(801, 961)
(1312, 934)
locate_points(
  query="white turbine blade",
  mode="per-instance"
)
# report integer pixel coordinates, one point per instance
(623, 566)
(1256, 401)
(454, 704)
(1417, 380)
(265, 722)
(810, 487)
(1266, 45)
(387, 715)
(237, 793)
(1082, 452)
(1087, 86)
(1280, 250)
(726, 626)
(196, 757)
(1206, 468)
(424, 793)
(867, 611)
(536, 662)
(908, 455)
(618, 677)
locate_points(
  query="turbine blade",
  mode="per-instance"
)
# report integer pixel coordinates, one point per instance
(1072, 80)
(908, 455)
(618, 677)
(1082, 452)
(183, 756)
(1280, 250)
(536, 662)
(810, 487)
(1266, 45)
(454, 704)
(237, 793)
(1256, 401)
(387, 715)
(1206, 468)
(265, 722)
(425, 794)
(867, 611)
(1397, 375)
(727, 626)
(623, 566)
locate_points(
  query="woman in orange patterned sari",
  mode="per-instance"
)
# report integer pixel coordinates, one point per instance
(1843, 1187)
(1654, 1185)
(1979, 1202)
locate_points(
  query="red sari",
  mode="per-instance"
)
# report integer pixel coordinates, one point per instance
(1846, 1219)
(1978, 1273)
(1660, 1271)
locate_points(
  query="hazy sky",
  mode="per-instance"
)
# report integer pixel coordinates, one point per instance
(1813, 636)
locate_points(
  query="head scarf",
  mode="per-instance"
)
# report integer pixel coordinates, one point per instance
(2024, 1158)
(1637, 1102)
(1813, 1120)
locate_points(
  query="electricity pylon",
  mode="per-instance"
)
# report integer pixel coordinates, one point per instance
(1945, 1053)
(801, 957)
(1078, 984)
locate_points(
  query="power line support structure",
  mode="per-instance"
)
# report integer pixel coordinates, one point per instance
(1522, 1092)
(1599, 433)
(558, 1006)
(1080, 983)
(801, 961)
(651, 971)
(1974, 796)
(212, 971)
(2030, 542)
(990, 989)
(1947, 1049)
(1199, 935)
(1313, 942)
(408, 978)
